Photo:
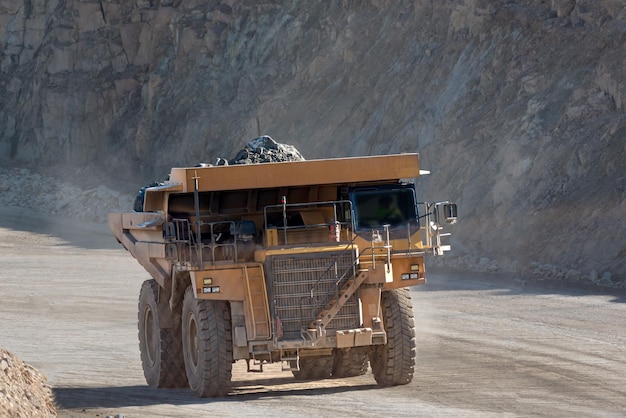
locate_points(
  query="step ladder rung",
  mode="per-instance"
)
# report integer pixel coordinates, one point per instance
(289, 361)
(333, 307)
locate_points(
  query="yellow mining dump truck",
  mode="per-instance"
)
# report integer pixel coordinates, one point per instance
(304, 263)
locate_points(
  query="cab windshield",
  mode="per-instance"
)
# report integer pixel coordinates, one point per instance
(375, 208)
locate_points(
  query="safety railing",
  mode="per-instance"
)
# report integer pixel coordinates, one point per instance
(288, 218)
(200, 242)
(435, 215)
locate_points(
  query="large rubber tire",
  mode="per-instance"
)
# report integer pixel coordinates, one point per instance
(394, 363)
(350, 363)
(207, 345)
(314, 368)
(161, 348)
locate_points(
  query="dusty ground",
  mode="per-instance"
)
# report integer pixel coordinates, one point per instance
(486, 347)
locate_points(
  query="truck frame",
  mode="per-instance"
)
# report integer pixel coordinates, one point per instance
(305, 263)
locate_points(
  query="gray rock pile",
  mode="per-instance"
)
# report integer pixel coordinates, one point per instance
(25, 188)
(259, 150)
(265, 150)
(24, 391)
(542, 272)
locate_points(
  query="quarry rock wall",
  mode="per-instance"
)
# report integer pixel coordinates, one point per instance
(517, 108)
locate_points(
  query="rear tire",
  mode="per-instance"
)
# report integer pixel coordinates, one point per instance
(161, 348)
(350, 363)
(314, 368)
(394, 363)
(207, 345)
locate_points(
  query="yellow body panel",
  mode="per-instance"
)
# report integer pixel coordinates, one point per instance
(261, 255)
(238, 282)
(219, 283)
(402, 267)
(297, 173)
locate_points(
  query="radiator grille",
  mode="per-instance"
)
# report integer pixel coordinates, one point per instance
(293, 277)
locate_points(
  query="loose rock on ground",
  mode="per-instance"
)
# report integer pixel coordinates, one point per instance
(24, 391)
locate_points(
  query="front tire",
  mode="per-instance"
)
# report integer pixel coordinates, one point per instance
(394, 363)
(160, 348)
(314, 368)
(207, 345)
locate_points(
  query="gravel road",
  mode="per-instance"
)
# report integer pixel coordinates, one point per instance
(487, 346)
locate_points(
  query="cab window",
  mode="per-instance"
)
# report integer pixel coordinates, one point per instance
(375, 208)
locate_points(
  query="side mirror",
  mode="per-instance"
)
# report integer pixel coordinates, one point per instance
(450, 212)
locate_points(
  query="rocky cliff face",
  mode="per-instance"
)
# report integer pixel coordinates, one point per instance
(518, 108)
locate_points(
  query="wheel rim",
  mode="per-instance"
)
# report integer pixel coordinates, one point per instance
(192, 342)
(150, 335)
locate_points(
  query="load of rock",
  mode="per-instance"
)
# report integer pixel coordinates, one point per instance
(265, 150)
(24, 391)
(257, 151)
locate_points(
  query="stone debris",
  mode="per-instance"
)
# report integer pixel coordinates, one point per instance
(265, 150)
(534, 271)
(257, 151)
(24, 391)
(24, 188)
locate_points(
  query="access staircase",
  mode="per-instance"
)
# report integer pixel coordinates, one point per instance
(333, 307)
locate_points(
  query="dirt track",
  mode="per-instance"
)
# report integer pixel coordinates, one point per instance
(485, 348)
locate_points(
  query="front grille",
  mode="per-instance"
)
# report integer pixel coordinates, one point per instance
(294, 277)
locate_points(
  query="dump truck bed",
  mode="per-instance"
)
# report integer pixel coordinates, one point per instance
(297, 173)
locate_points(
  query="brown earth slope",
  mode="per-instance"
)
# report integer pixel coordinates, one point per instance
(518, 108)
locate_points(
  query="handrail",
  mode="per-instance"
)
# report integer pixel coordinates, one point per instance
(348, 247)
(186, 236)
(433, 225)
(339, 280)
(284, 208)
